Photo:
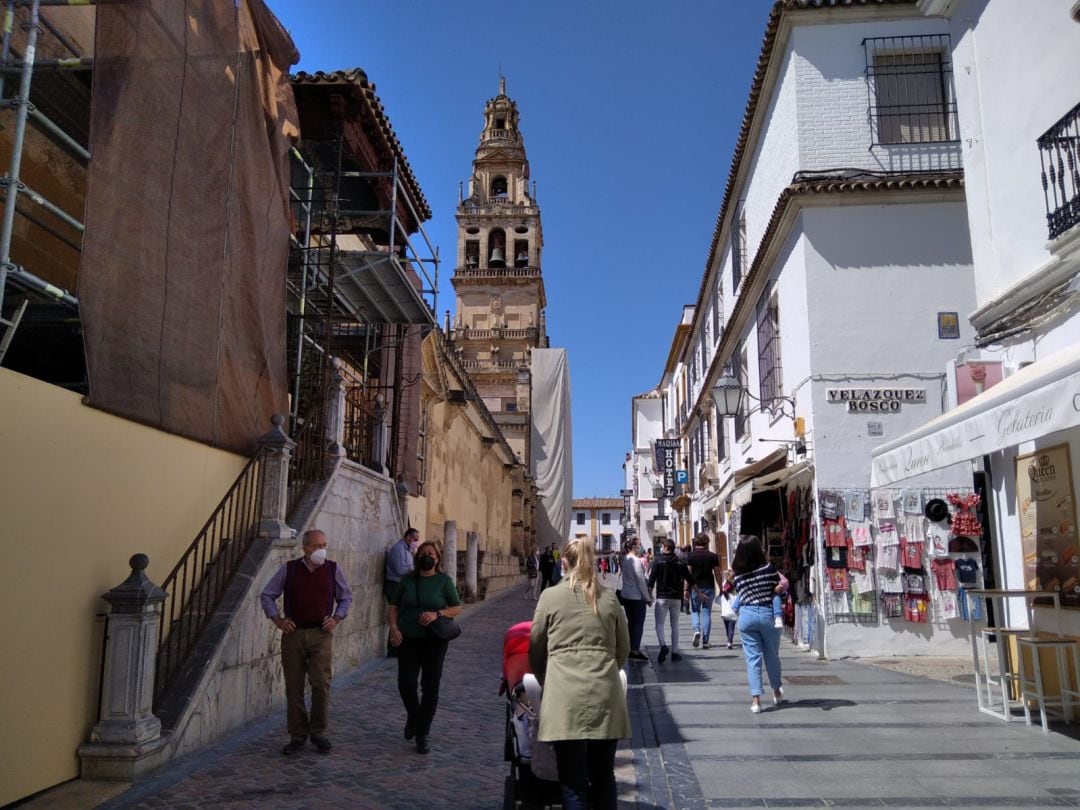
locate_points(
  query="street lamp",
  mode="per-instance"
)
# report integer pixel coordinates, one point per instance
(728, 395)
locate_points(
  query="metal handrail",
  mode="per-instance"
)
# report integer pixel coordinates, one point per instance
(199, 580)
(307, 465)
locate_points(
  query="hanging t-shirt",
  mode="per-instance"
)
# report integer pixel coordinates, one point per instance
(856, 558)
(967, 571)
(838, 579)
(944, 574)
(862, 599)
(914, 583)
(889, 580)
(832, 505)
(862, 582)
(916, 608)
(894, 606)
(911, 554)
(970, 607)
(887, 557)
(836, 557)
(947, 604)
(887, 532)
(883, 505)
(835, 533)
(911, 501)
(855, 505)
(939, 541)
(911, 527)
(860, 535)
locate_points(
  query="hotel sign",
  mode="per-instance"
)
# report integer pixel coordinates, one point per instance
(876, 400)
(665, 458)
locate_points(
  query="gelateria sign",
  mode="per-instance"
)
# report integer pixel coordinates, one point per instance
(876, 400)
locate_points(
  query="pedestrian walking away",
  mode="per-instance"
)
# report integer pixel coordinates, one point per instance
(756, 581)
(547, 566)
(635, 597)
(317, 599)
(423, 596)
(399, 563)
(704, 567)
(727, 608)
(578, 643)
(532, 568)
(672, 580)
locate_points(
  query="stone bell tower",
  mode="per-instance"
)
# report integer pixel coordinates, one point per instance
(500, 289)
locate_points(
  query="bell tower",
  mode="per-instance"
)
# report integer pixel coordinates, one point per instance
(497, 278)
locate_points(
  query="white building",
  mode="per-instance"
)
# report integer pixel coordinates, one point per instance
(600, 519)
(642, 477)
(1017, 97)
(832, 292)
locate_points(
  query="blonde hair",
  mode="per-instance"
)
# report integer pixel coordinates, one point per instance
(580, 559)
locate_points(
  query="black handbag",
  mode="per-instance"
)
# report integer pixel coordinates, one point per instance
(443, 627)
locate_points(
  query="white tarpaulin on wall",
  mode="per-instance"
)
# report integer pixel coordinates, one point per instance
(1039, 399)
(552, 449)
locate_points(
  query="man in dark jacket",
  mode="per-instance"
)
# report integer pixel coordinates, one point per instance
(547, 566)
(672, 580)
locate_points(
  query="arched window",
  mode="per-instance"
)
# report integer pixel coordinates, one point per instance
(498, 186)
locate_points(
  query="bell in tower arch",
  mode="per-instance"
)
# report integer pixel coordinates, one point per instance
(497, 240)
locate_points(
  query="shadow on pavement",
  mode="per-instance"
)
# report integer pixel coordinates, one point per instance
(825, 704)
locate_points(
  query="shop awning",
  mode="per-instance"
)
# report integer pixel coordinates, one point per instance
(768, 482)
(1039, 399)
(771, 462)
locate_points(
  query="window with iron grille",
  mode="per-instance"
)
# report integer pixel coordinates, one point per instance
(580, 518)
(910, 89)
(738, 247)
(605, 518)
(770, 375)
(718, 304)
(742, 373)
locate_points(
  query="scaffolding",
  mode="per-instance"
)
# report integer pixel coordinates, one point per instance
(356, 284)
(19, 286)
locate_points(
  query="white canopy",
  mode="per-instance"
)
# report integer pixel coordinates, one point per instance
(1039, 399)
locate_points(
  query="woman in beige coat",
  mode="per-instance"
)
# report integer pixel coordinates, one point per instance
(578, 644)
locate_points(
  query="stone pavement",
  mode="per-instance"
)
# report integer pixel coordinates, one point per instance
(372, 766)
(851, 735)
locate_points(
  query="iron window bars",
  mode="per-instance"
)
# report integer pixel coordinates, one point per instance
(1059, 154)
(910, 92)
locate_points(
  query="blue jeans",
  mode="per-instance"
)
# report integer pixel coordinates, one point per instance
(701, 612)
(760, 640)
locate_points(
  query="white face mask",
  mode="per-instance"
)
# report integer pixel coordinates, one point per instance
(318, 557)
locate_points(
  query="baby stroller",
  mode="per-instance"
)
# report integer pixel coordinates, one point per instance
(521, 749)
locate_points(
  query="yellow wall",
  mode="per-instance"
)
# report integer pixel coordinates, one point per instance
(80, 492)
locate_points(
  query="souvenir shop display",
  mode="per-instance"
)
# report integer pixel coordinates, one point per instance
(900, 554)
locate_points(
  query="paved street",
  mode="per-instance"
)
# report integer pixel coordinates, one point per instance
(851, 735)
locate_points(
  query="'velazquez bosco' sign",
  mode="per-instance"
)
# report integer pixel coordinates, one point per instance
(876, 400)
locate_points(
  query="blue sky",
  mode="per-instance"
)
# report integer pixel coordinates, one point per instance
(630, 111)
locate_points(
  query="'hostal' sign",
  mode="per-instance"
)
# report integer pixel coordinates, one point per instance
(876, 400)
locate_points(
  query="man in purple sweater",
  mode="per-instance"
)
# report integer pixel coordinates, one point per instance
(317, 600)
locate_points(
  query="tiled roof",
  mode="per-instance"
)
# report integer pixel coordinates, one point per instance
(359, 80)
(772, 27)
(597, 503)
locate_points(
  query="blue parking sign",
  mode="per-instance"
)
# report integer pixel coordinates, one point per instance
(682, 477)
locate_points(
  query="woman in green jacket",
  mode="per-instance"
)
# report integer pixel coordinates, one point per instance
(421, 597)
(578, 643)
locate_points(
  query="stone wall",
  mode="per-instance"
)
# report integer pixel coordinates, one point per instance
(358, 510)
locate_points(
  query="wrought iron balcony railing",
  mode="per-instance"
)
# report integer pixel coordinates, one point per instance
(1059, 152)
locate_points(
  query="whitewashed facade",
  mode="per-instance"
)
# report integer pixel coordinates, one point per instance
(1019, 110)
(834, 253)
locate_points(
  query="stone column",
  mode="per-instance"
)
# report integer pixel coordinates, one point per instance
(335, 416)
(472, 548)
(127, 741)
(449, 560)
(275, 484)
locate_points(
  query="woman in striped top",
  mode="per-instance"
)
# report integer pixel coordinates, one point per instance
(756, 581)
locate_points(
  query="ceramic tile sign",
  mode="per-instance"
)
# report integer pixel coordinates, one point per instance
(1048, 523)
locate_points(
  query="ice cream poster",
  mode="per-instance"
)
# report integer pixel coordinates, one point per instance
(1048, 523)
(975, 377)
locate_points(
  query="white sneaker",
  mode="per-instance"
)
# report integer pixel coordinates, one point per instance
(697, 640)
(755, 708)
(778, 696)
(778, 623)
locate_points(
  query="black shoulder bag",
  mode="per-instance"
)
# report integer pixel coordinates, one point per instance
(443, 627)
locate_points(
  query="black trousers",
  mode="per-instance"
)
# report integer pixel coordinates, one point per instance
(587, 773)
(420, 659)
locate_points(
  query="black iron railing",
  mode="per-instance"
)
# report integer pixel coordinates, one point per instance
(307, 465)
(1059, 152)
(364, 423)
(199, 581)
